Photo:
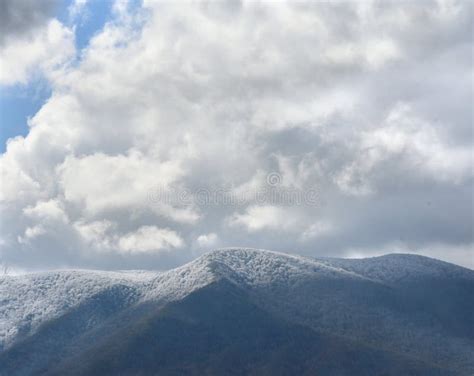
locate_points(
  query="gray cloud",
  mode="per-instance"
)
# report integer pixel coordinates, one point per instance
(19, 18)
(345, 99)
(32, 42)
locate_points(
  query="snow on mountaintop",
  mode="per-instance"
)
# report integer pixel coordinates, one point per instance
(242, 266)
(255, 267)
(401, 267)
(28, 300)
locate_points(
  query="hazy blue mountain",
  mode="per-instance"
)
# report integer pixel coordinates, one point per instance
(243, 311)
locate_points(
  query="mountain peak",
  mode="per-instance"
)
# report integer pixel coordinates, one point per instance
(29, 300)
(257, 266)
(402, 267)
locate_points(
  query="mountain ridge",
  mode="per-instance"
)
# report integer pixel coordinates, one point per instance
(397, 302)
(176, 283)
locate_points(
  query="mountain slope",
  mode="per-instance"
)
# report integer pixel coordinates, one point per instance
(417, 312)
(218, 330)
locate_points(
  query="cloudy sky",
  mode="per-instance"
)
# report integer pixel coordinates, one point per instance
(141, 134)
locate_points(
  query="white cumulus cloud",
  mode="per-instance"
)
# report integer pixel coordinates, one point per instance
(366, 105)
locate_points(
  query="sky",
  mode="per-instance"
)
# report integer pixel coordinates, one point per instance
(141, 134)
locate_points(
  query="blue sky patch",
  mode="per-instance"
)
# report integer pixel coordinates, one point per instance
(20, 102)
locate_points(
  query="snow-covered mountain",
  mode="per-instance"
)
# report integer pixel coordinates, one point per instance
(31, 299)
(409, 310)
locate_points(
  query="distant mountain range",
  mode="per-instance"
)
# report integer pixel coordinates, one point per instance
(243, 312)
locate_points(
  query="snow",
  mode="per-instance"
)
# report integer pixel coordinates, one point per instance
(395, 268)
(28, 300)
(260, 267)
